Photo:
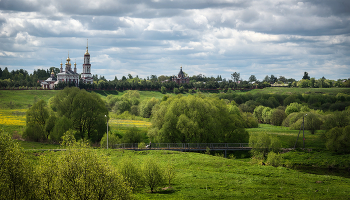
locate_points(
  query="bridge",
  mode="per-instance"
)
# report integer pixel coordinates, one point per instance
(186, 147)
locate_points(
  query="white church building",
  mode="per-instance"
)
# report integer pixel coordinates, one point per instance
(70, 75)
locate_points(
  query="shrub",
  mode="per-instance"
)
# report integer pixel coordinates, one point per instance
(163, 90)
(132, 173)
(153, 173)
(176, 90)
(338, 140)
(274, 159)
(112, 140)
(132, 135)
(15, 171)
(277, 117)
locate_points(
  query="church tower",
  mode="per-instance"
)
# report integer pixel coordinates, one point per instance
(86, 76)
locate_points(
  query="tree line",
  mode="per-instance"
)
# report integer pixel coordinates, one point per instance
(21, 78)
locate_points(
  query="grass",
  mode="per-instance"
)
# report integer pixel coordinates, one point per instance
(288, 137)
(201, 176)
(23, 99)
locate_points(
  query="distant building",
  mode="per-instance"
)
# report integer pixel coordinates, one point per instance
(50, 82)
(181, 78)
(70, 75)
(86, 76)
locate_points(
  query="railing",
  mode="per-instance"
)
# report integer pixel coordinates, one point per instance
(183, 146)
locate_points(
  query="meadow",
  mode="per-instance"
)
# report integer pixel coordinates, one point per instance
(202, 176)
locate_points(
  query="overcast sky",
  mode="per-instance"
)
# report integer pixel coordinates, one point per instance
(209, 37)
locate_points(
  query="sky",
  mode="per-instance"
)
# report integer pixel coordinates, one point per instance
(209, 37)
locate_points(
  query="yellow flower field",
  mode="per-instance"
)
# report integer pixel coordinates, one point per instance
(16, 117)
(126, 122)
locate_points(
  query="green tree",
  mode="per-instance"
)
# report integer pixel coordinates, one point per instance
(146, 107)
(15, 171)
(132, 135)
(235, 76)
(195, 119)
(306, 76)
(277, 117)
(338, 139)
(312, 122)
(112, 140)
(86, 111)
(36, 118)
(61, 126)
(163, 89)
(132, 173)
(154, 175)
(252, 78)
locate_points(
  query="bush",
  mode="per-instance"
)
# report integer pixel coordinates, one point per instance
(112, 140)
(15, 172)
(132, 135)
(274, 159)
(338, 140)
(262, 144)
(153, 173)
(163, 90)
(132, 173)
(176, 90)
(277, 117)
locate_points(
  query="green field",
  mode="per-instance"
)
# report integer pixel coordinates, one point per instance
(201, 176)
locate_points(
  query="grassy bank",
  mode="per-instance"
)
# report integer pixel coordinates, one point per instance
(201, 176)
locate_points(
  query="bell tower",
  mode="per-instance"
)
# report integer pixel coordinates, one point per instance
(86, 76)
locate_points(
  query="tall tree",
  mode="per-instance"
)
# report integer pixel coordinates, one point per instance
(266, 79)
(306, 76)
(252, 78)
(235, 76)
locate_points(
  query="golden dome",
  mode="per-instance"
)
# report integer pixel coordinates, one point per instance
(68, 59)
(86, 53)
(52, 73)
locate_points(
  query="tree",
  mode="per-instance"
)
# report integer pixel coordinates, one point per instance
(80, 173)
(282, 79)
(267, 79)
(36, 118)
(132, 173)
(273, 79)
(154, 176)
(235, 76)
(15, 171)
(146, 107)
(312, 122)
(338, 139)
(306, 76)
(132, 135)
(195, 119)
(86, 111)
(263, 143)
(252, 78)
(277, 117)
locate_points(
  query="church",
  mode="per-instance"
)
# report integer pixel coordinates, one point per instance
(70, 75)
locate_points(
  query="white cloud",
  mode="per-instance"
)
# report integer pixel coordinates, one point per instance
(157, 37)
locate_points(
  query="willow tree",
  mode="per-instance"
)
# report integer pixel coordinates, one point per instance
(196, 119)
(86, 112)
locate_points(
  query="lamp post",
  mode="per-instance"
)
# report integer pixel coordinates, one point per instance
(107, 130)
(303, 132)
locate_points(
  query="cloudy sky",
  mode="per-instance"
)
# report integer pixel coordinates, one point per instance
(209, 37)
